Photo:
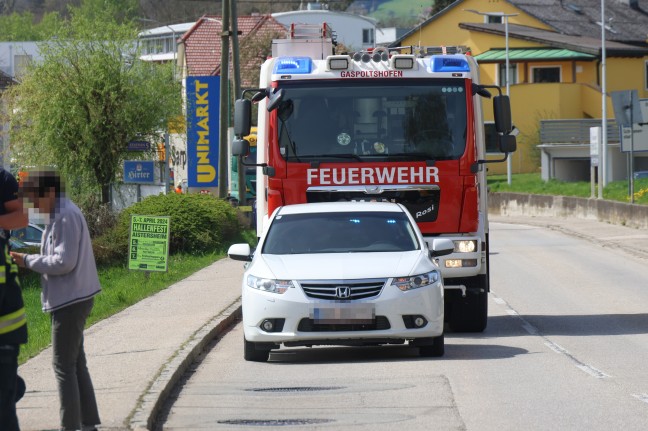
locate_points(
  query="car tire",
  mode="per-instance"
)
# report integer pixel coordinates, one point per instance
(251, 352)
(434, 350)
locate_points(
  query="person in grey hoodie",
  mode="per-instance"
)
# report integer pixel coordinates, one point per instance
(69, 283)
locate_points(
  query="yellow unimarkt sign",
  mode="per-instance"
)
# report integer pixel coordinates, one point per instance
(148, 248)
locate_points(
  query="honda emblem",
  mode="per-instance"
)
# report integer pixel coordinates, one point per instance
(343, 292)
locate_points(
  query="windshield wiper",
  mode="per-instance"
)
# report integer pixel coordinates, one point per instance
(335, 156)
(416, 156)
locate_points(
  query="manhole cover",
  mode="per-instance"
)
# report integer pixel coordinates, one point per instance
(274, 422)
(297, 389)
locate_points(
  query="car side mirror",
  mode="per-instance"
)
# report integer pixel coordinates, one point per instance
(240, 252)
(441, 247)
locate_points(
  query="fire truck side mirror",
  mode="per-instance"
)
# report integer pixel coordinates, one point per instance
(242, 117)
(502, 114)
(274, 99)
(240, 147)
(507, 143)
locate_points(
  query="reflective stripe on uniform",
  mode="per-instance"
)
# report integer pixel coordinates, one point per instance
(3, 276)
(12, 321)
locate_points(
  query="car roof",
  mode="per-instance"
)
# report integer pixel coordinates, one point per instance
(321, 207)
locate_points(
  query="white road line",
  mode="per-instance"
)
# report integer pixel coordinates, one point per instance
(641, 397)
(532, 330)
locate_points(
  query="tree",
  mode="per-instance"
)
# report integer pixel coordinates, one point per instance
(90, 96)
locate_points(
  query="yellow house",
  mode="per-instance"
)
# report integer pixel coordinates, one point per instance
(555, 70)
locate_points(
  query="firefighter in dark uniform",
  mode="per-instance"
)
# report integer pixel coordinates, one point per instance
(13, 322)
(13, 333)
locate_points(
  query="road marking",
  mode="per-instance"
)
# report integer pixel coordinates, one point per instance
(532, 330)
(641, 397)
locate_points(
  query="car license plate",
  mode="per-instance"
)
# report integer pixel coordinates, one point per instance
(342, 312)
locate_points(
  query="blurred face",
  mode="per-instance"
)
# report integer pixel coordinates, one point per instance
(43, 204)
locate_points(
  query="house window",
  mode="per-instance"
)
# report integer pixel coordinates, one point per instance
(512, 74)
(493, 19)
(546, 74)
(368, 36)
(646, 74)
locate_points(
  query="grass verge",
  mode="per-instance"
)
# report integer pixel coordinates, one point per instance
(121, 288)
(533, 184)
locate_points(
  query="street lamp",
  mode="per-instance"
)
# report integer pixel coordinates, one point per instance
(505, 17)
(602, 180)
(167, 143)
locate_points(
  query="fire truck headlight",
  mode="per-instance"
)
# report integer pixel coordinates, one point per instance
(402, 61)
(338, 62)
(416, 281)
(465, 246)
(268, 285)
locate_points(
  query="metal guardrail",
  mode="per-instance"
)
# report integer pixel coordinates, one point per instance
(574, 131)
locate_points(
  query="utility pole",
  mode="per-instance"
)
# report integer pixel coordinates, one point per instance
(224, 102)
(236, 79)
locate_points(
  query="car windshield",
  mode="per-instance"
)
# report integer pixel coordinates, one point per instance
(340, 232)
(353, 120)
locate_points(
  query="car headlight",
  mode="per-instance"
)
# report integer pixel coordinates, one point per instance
(269, 285)
(416, 281)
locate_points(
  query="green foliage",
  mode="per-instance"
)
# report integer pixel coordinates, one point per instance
(20, 27)
(89, 97)
(199, 224)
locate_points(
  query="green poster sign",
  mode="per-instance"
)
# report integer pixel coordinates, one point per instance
(148, 248)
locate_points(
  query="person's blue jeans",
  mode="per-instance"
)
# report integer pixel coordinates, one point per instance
(76, 393)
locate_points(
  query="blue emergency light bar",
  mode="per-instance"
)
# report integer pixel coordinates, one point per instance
(293, 65)
(444, 63)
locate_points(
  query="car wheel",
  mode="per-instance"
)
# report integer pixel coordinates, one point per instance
(434, 350)
(252, 353)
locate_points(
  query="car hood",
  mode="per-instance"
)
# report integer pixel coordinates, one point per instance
(342, 266)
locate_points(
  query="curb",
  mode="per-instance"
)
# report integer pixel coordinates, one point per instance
(144, 415)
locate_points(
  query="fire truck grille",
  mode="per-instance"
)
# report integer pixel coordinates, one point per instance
(423, 204)
(358, 289)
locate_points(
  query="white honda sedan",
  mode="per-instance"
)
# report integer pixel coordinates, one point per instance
(342, 273)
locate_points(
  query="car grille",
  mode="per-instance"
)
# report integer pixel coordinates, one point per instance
(357, 289)
(308, 325)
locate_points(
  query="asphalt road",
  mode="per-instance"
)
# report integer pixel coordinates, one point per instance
(566, 348)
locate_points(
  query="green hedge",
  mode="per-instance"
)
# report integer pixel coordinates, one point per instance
(199, 223)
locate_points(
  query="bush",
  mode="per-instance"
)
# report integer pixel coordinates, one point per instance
(199, 223)
(99, 217)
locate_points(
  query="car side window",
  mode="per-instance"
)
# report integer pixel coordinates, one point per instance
(27, 234)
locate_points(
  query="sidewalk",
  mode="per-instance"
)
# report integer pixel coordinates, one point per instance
(136, 356)
(631, 240)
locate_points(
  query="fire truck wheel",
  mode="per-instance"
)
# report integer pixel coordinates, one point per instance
(470, 314)
(434, 350)
(253, 352)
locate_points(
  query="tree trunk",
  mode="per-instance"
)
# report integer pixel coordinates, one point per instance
(105, 194)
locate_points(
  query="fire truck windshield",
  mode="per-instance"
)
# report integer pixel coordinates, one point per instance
(357, 120)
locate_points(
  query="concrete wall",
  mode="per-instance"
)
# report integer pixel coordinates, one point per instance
(519, 204)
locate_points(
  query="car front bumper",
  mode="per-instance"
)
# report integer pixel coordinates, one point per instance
(300, 320)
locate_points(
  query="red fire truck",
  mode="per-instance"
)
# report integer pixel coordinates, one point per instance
(402, 125)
